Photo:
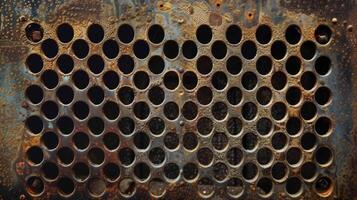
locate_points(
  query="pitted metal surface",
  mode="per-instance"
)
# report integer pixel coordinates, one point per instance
(178, 100)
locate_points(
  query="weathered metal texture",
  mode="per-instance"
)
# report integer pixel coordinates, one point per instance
(317, 117)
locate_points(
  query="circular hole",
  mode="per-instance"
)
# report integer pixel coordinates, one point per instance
(205, 156)
(234, 95)
(278, 50)
(126, 95)
(220, 171)
(279, 141)
(189, 110)
(142, 171)
(293, 155)
(323, 34)
(65, 94)
(96, 156)
(279, 171)
(204, 126)
(171, 110)
(278, 111)
(293, 65)
(50, 170)
(156, 125)
(80, 79)
(249, 171)
(80, 110)
(219, 141)
(264, 65)
(80, 48)
(171, 80)
(141, 140)
(308, 80)
(189, 80)
(95, 64)
(204, 95)
(234, 65)
(34, 32)
(49, 109)
(264, 95)
(126, 125)
(219, 80)
(234, 156)
(95, 33)
(265, 186)
(189, 141)
(204, 65)
(323, 126)
(249, 141)
(96, 95)
(34, 63)
(234, 126)
(34, 155)
(235, 187)
(263, 34)
(80, 171)
(249, 111)
(96, 125)
(49, 140)
(190, 171)
(308, 141)
(49, 48)
(65, 186)
(111, 171)
(141, 80)
(249, 50)
(65, 33)
(65, 155)
(80, 140)
(264, 126)
(293, 186)
(249, 80)
(125, 33)
(323, 65)
(141, 110)
(171, 140)
(35, 185)
(157, 187)
(111, 80)
(308, 170)
(156, 95)
(278, 80)
(205, 187)
(323, 155)
(171, 171)
(189, 49)
(323, 95)
(127, 187)
(65, 63)
(324, 186)
(126, 64)
(96, 187)
(204, 34)
(65, 125)
(156, 64)
(219, 110)
(111, 48)
(293, 34)
(308, 50)
(49, 78)
(293, 95)
(293, 126)
(219, 49)
(34, 94)
(157, 156)
(171, 49)
(234, 34)
(111, 110)
(111, 141)
(308, 110)
(156, 34)
(126, 156)
(141, 49)
(34, 124)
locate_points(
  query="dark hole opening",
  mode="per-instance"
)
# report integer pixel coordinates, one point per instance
(157, 155)
(80, 110)
(308, 50)
(189, 49)
(50, 109)
(293, 65)
(81, 140)
(293, 34)
(249, 111)
(142, 171)
(293, 126)
(323, 34)
(308, 110)
(219, 49)
(308, 170)
(126, 64)
(156, 95)
(141, 49)
(189, 80)
(264, 65)
(308, 80)
(278, 50)
(95, 64)
(126, 33)
(278, 111)
(65, 63)
(219, 141)
(141, 80)
(322, 95)
(81, 171)
(35, 155)
(204, 34)
(50, 140)
(65, 32)
(35, 185)
(96, 95)
(234, 65)
(96, 155)
(34, 63)
(111, 140)
(80, 48)
(204, 156)
(96, 125)
(204, 95)
(34, 32)
(171, 110)
(190, 171)
(293, 155)
(156, 34)
(95, 33)
(126, 156)
(156, 64)
(279, 141)
(234, 34)
(126, 125)
(293, 95)
(264, 95)
(234, 95)
(111, 79)
(141, 110)
(156, 125)
(263, 34)
(279, 170)
(308, 141)
(34, 124)
(189, 110)
(171, 140)
(249, 141)
(234, 156)
(111, 171)
(34, 93)
(111, 110)
(80, 79)
(65, 186)
(278, 80)
(264, 126)
(189, 141)
(323, 185)
(249, 171)
(65, 94)
(111, 48)
(220, 171)
(204, 65)
(50, 170)
(265, 186)
(249, 80)
(323, 65)
(49, 78)
(49, 48)
(323, 126)
(293, 185)
(204, 125)
(126, 95)
(171, 49)
(219, 110)
(171, 170)
(234, 126)
(65, 155)
(65, 125)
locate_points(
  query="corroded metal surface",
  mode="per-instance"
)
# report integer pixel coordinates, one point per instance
(210, 99)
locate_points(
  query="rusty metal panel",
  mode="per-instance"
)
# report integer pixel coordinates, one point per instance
(178, 99)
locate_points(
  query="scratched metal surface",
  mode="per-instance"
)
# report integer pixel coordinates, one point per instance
(334, 179)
